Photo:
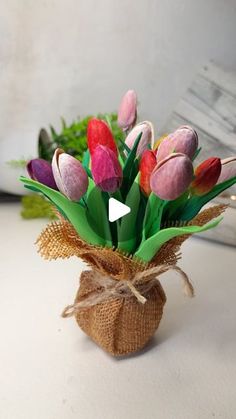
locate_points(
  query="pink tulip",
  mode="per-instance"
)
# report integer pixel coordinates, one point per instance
(69, 175)
(147, 139)
(106, 169)
(41, 170)
(228, 169)
(183, 140)
(127, 113)
(172, 176)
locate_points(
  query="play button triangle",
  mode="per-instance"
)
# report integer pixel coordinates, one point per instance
(116, 209)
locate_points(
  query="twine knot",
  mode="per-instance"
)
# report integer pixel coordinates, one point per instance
(138, 286)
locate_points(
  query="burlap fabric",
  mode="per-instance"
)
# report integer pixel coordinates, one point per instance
(120, 302)
(119, 325)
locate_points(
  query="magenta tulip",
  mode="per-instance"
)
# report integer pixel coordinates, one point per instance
(127, 113)
(69, 175)
(41, 170)
(172, 176)
(147, 139)
(184, 140)
(106, 169)
(228, 169)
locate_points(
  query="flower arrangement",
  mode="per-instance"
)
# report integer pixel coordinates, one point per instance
(120, 301)
(73, 139)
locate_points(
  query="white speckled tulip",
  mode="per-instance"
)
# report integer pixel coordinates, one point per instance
(228, 169)
(172, 176)
(183, 140)
(127, 112)
(147, 139)
(69, 175)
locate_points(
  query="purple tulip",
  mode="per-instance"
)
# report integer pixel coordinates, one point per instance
(106, 169)
(184, 140)
(147, 138)
(41, 170)
(228, 169)
(127, 112)
(172, 176)
(69, 175)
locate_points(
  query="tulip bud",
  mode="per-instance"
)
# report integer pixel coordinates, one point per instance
(98, 133)
(184, 140)
(172, 176)
(127, 113)
(147, 164)
(106, 169)
(147, 139)
(206, 176)
(228, 169)
(41, 170)
(69, 175)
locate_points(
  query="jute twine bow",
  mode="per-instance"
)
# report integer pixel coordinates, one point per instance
(110, 288)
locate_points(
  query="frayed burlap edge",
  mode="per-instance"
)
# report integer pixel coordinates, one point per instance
(60, 240)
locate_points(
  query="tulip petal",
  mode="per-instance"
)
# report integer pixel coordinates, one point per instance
(147, 140)
(106, 169)
(69, 174)
(98, 133)
(41, 170)
(127, 112)
(206, 176)
(228, 169)
(183, 140)
(172, 176)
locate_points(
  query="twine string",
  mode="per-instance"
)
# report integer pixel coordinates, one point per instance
(110, 288)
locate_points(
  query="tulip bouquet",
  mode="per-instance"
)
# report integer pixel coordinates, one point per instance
(165, 193)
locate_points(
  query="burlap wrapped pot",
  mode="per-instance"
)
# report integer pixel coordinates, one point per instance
(120, 301)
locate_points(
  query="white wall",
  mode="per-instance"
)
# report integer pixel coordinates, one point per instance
(69, 57)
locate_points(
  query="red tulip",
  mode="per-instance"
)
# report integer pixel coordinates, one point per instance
(146, 166)
(41, 170)
(127, 113)
(98, 133)
(106, 169)
(172, 176)
(206, 176)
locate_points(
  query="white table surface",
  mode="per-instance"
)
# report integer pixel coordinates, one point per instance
(49, 369)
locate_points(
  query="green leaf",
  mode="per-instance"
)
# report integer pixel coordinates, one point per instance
(97, 202)
(150, 247)
(124, 146)
(174, 207)
(128, 229)
(153, 216)
(196, 153)
(131, 158)
(75, 213)
(86, 159)
(195, 203)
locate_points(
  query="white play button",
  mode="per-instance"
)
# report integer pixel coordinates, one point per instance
(116, 209)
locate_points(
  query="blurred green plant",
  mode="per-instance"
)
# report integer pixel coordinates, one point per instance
(73, 138)
(17, 163)
(36, 206)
